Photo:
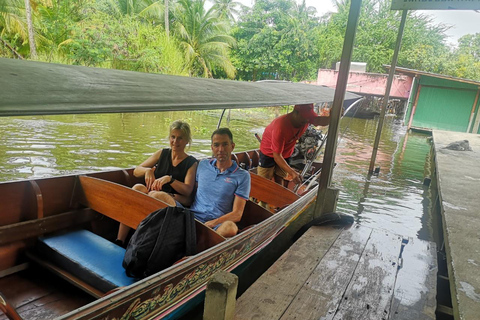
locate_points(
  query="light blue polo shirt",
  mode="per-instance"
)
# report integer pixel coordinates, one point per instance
(216, 190)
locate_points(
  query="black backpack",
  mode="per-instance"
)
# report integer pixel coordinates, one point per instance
(163, 237)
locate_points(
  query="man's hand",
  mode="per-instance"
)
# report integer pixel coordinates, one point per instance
(296, 178)
(211, 223)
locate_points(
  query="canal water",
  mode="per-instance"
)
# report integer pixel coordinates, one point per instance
(395, 200)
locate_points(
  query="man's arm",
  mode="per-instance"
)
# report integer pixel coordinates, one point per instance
(235, 215)
(280, 161)
(321, 121)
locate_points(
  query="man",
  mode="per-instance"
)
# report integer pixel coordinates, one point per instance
(223, 187)
(279, 139)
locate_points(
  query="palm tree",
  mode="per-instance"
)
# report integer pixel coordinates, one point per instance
(204, 37)
(12, 22)
(31, 32)
(227, 8)
(148, 9)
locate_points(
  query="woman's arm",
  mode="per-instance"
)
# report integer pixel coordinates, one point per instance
(186, 188)
(146, 169)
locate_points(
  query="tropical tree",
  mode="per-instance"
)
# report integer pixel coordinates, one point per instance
(126, 43)
(470, 44)
(13, 27)
(227, 9)
(55, 24)
(423, 42)
(152, 10)
(276, 40)
(204, 38)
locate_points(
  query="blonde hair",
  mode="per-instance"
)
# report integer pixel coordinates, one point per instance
(184, 127)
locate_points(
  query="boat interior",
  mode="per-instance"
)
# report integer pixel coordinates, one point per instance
(40, 281)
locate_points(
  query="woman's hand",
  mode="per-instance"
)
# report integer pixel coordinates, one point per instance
(149, 178)
(160, 182)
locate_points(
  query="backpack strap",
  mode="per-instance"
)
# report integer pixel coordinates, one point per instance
(190, 233)
(160, 237)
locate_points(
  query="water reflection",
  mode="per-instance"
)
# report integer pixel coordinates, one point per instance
(35, 147)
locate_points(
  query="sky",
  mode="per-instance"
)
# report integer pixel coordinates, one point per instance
(462, 22)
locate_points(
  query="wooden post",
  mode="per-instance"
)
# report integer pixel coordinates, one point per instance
(220, 296)
(472, 114)
(414, 107)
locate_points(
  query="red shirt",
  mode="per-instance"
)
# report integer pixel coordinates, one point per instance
(280, 136)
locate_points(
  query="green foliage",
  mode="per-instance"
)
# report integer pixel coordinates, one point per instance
(124, 43)
(204, 39)
(276, 40)
(13, 28)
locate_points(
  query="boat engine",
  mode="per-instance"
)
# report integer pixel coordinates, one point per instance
(306, 148)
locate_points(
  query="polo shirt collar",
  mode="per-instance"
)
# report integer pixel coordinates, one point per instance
(232, 168)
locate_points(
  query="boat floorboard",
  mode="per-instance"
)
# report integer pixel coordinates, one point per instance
(355, 273)
(38, 294)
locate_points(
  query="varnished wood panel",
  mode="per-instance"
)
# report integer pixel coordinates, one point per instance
(116, 201)
(39, 295)
(206, 237)
(18, 201)
(270, 192)
(34, 228)
(56, 194)
(271, 294)
(253, 214)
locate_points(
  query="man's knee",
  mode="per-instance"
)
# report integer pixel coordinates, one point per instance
(228, 229)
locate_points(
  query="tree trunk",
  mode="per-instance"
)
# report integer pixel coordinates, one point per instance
(31, 40)
(6, 44)
(167, 27)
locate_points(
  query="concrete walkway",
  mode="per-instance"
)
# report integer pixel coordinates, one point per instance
(458, 175)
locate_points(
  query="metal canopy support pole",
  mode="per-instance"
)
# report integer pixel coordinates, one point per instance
(387, 90)
(220, 120)
(324, 203)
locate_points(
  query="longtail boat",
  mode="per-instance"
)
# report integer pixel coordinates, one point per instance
(83, 211)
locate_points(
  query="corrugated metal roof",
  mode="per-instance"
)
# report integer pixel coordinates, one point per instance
(36, 88)
(413, 73)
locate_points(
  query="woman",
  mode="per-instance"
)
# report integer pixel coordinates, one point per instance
(169, 173)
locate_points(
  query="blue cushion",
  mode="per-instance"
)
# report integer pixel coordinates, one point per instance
(87, 256)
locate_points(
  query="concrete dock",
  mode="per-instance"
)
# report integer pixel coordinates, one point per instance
(458, 180)
(353, 273)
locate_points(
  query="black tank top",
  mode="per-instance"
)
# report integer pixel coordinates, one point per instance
(166, 168)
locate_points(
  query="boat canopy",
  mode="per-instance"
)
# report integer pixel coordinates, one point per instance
(38, 88)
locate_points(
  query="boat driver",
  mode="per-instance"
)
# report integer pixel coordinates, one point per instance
(279, 139)
(223, 187)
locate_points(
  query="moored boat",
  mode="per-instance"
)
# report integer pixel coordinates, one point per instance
(96, 202)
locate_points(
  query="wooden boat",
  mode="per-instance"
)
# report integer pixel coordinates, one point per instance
(96, 202)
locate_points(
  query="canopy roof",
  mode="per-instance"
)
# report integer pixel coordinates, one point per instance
(37, 88)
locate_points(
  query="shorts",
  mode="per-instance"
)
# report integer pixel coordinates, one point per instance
(267, 167)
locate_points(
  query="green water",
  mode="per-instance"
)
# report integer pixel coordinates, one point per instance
(44, 146)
